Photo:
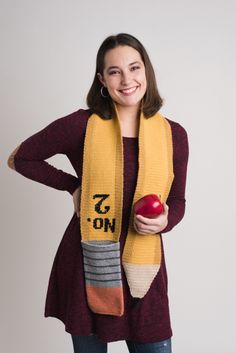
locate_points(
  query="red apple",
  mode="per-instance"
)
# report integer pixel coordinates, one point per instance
(149, 206)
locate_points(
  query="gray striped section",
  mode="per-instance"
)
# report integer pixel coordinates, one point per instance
(99, 269)
(111, 284)
(102, 263)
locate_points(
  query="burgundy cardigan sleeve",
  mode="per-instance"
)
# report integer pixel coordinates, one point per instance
(176, 199)
(29, 157)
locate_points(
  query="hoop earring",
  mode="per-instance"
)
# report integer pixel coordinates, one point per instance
(102, 93)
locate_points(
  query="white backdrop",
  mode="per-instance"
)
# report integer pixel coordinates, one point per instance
(48, 51)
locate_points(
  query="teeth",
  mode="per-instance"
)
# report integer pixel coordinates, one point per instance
(129, 90)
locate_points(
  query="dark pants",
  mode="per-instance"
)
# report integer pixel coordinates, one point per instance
(91, 344)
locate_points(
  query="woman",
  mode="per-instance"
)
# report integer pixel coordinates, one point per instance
(108, 281)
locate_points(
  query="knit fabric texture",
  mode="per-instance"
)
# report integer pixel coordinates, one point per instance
(101, 209)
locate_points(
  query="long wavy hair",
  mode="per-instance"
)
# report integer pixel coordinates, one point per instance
(104, 107)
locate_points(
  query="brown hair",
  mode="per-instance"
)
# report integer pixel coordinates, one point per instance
(151, 101)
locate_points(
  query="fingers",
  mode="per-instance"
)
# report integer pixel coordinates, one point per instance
(135, 227)
(144, 225)
(77, 212)
(76, 200)
(143, 228)
(144, 220)
(76, 192)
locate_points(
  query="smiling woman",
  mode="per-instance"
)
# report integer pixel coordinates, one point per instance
(108, 280)
(123, 65)
(126, 81)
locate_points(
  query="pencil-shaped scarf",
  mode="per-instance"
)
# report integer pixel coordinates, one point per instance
(101, 209)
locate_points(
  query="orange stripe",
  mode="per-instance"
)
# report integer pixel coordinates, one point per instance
(105, 300)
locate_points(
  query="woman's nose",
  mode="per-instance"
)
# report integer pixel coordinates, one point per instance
(126, 78)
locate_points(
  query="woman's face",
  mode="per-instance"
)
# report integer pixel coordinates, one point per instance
(124, 76)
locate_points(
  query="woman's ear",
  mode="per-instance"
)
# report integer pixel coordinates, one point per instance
(101, 79)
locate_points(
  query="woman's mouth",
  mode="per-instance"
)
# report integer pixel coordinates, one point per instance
(128, 91)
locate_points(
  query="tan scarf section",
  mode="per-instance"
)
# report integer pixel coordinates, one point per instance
(101, 209)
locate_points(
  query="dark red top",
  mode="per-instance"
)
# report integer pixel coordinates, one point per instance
(145, 320)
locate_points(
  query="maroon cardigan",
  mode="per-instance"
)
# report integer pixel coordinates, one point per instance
(144, 320)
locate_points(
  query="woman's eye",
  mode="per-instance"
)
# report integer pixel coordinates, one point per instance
(113, 72)
(135, 68)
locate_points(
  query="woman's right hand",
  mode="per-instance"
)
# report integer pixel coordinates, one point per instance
(76, 200)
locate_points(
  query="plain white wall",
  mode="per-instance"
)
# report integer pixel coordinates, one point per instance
(48, 51)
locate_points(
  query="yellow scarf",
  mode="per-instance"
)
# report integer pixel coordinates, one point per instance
(101, 209)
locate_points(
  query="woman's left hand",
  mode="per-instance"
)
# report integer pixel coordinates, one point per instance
(144, 225)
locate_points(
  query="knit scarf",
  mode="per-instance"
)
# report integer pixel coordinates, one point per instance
(101, 209)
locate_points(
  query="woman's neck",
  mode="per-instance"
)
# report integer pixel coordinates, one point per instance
(128, 114)
(129, 120)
